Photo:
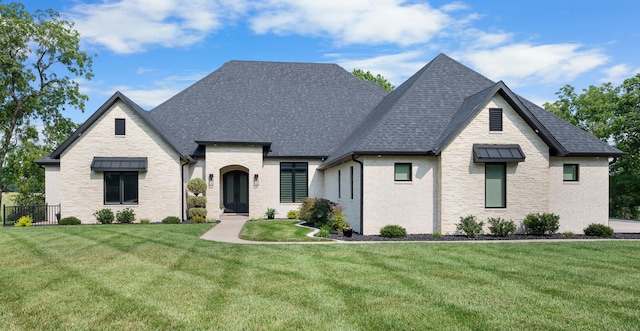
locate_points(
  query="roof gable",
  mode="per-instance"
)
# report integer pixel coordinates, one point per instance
(55, 155)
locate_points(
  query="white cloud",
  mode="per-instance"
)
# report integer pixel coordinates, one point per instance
(454, 6)
(618, 73)
(396, 68)
(522, 63)
(352, 21)
(132, 26)
(160, 91)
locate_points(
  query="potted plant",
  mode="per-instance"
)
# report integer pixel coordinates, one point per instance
(347, 231)
(271, 213)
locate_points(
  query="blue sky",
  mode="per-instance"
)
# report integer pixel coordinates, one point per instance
(152, 49)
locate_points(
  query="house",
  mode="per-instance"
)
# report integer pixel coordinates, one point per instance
(446, 143)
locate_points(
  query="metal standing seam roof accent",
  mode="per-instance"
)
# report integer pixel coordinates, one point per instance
(119, 164)
(497, 153)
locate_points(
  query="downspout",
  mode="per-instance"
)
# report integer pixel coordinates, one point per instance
(182, 198)
(353, 157)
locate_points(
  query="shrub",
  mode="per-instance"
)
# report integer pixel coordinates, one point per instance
(145, 221)
(104, 216)
(324, 231)
(338, 219)
(24, 221)
(200, 202)
(315, 211)
(292, 214)
(170, 220)
(271, 213)
(501, 228)
(197, 186)
(71, 220)
(542, 224)
(470, 226)
(197, 212)
(126, 215)
(598, 230)
(393, 231)
(437, 234)
(569, 234)
(198, 219)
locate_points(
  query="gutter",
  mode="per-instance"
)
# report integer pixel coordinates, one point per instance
(353, 158)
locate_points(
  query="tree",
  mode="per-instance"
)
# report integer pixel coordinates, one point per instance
(37, 53)
(613, 115)
(378, 79)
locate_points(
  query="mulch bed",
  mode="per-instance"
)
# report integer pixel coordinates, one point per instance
(429, 237)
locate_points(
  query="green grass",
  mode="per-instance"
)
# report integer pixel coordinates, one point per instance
(279, 231)
(163, 277)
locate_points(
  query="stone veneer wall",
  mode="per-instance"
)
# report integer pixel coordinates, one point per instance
(462, 182)
(159, 188)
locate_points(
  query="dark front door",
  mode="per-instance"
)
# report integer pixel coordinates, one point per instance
(236, 192)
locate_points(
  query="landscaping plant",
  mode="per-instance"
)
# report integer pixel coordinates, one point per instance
(542, 224)
(500, 227)
(598, 230)
(470, 226)
(270, 213)
(126, 215)
(197, 186)
(171, 220)
(104, 216)
(393, 231)
(71, 220)
(24, 221)
(316, 211)
(292, 214)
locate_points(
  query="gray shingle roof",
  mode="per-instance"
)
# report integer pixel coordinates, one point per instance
(301, 109)
(428, 110)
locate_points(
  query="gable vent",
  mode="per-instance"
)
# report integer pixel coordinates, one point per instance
(495, 119)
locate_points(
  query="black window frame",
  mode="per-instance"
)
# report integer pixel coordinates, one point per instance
(495, 120)
(504, 185)
(124, 184)
(351, 179)
(120, 127)
(577, 172)
(395, 171)
(296, 169)
(339, 184)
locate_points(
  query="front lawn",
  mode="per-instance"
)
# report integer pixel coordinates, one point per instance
(279, 231)
(133, 277)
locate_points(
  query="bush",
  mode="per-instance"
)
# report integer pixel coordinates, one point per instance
(470, 226)
(71, 220)
(271, 213)
(338, 219)
(24, 221)
(569, 234)
(598, 230)
(171, 220)
(393, 231)
(315, 211)
(197, 186)
(437, 234)
(104, 216)
(200, 202)
(198, 219)
(145, 221)
(197, 212)
(292, 214)
(324, 231)
(500, 227)
(542, 224)
(126, 215)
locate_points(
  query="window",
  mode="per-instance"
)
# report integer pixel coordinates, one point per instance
(352, 183)
(403, 172)
(293, 181)
(339, 184)
(570, 173)
(495, 119)
(495, 185)
(120, 188)
(120, 127)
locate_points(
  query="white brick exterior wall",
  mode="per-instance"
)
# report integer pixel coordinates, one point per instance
(462, 182)
(351, 206)
(52, 185)
(82, 190)
(585, 201)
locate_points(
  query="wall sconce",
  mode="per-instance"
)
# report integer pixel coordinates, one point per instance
(256, 180)
(210, 180)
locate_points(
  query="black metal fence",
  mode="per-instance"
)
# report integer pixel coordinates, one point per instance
(41, 214)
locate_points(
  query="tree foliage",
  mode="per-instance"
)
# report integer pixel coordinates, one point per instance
(611, 113)
(38, 53)
(378, 79)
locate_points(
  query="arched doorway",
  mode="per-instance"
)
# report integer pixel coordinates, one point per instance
(235, 194)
